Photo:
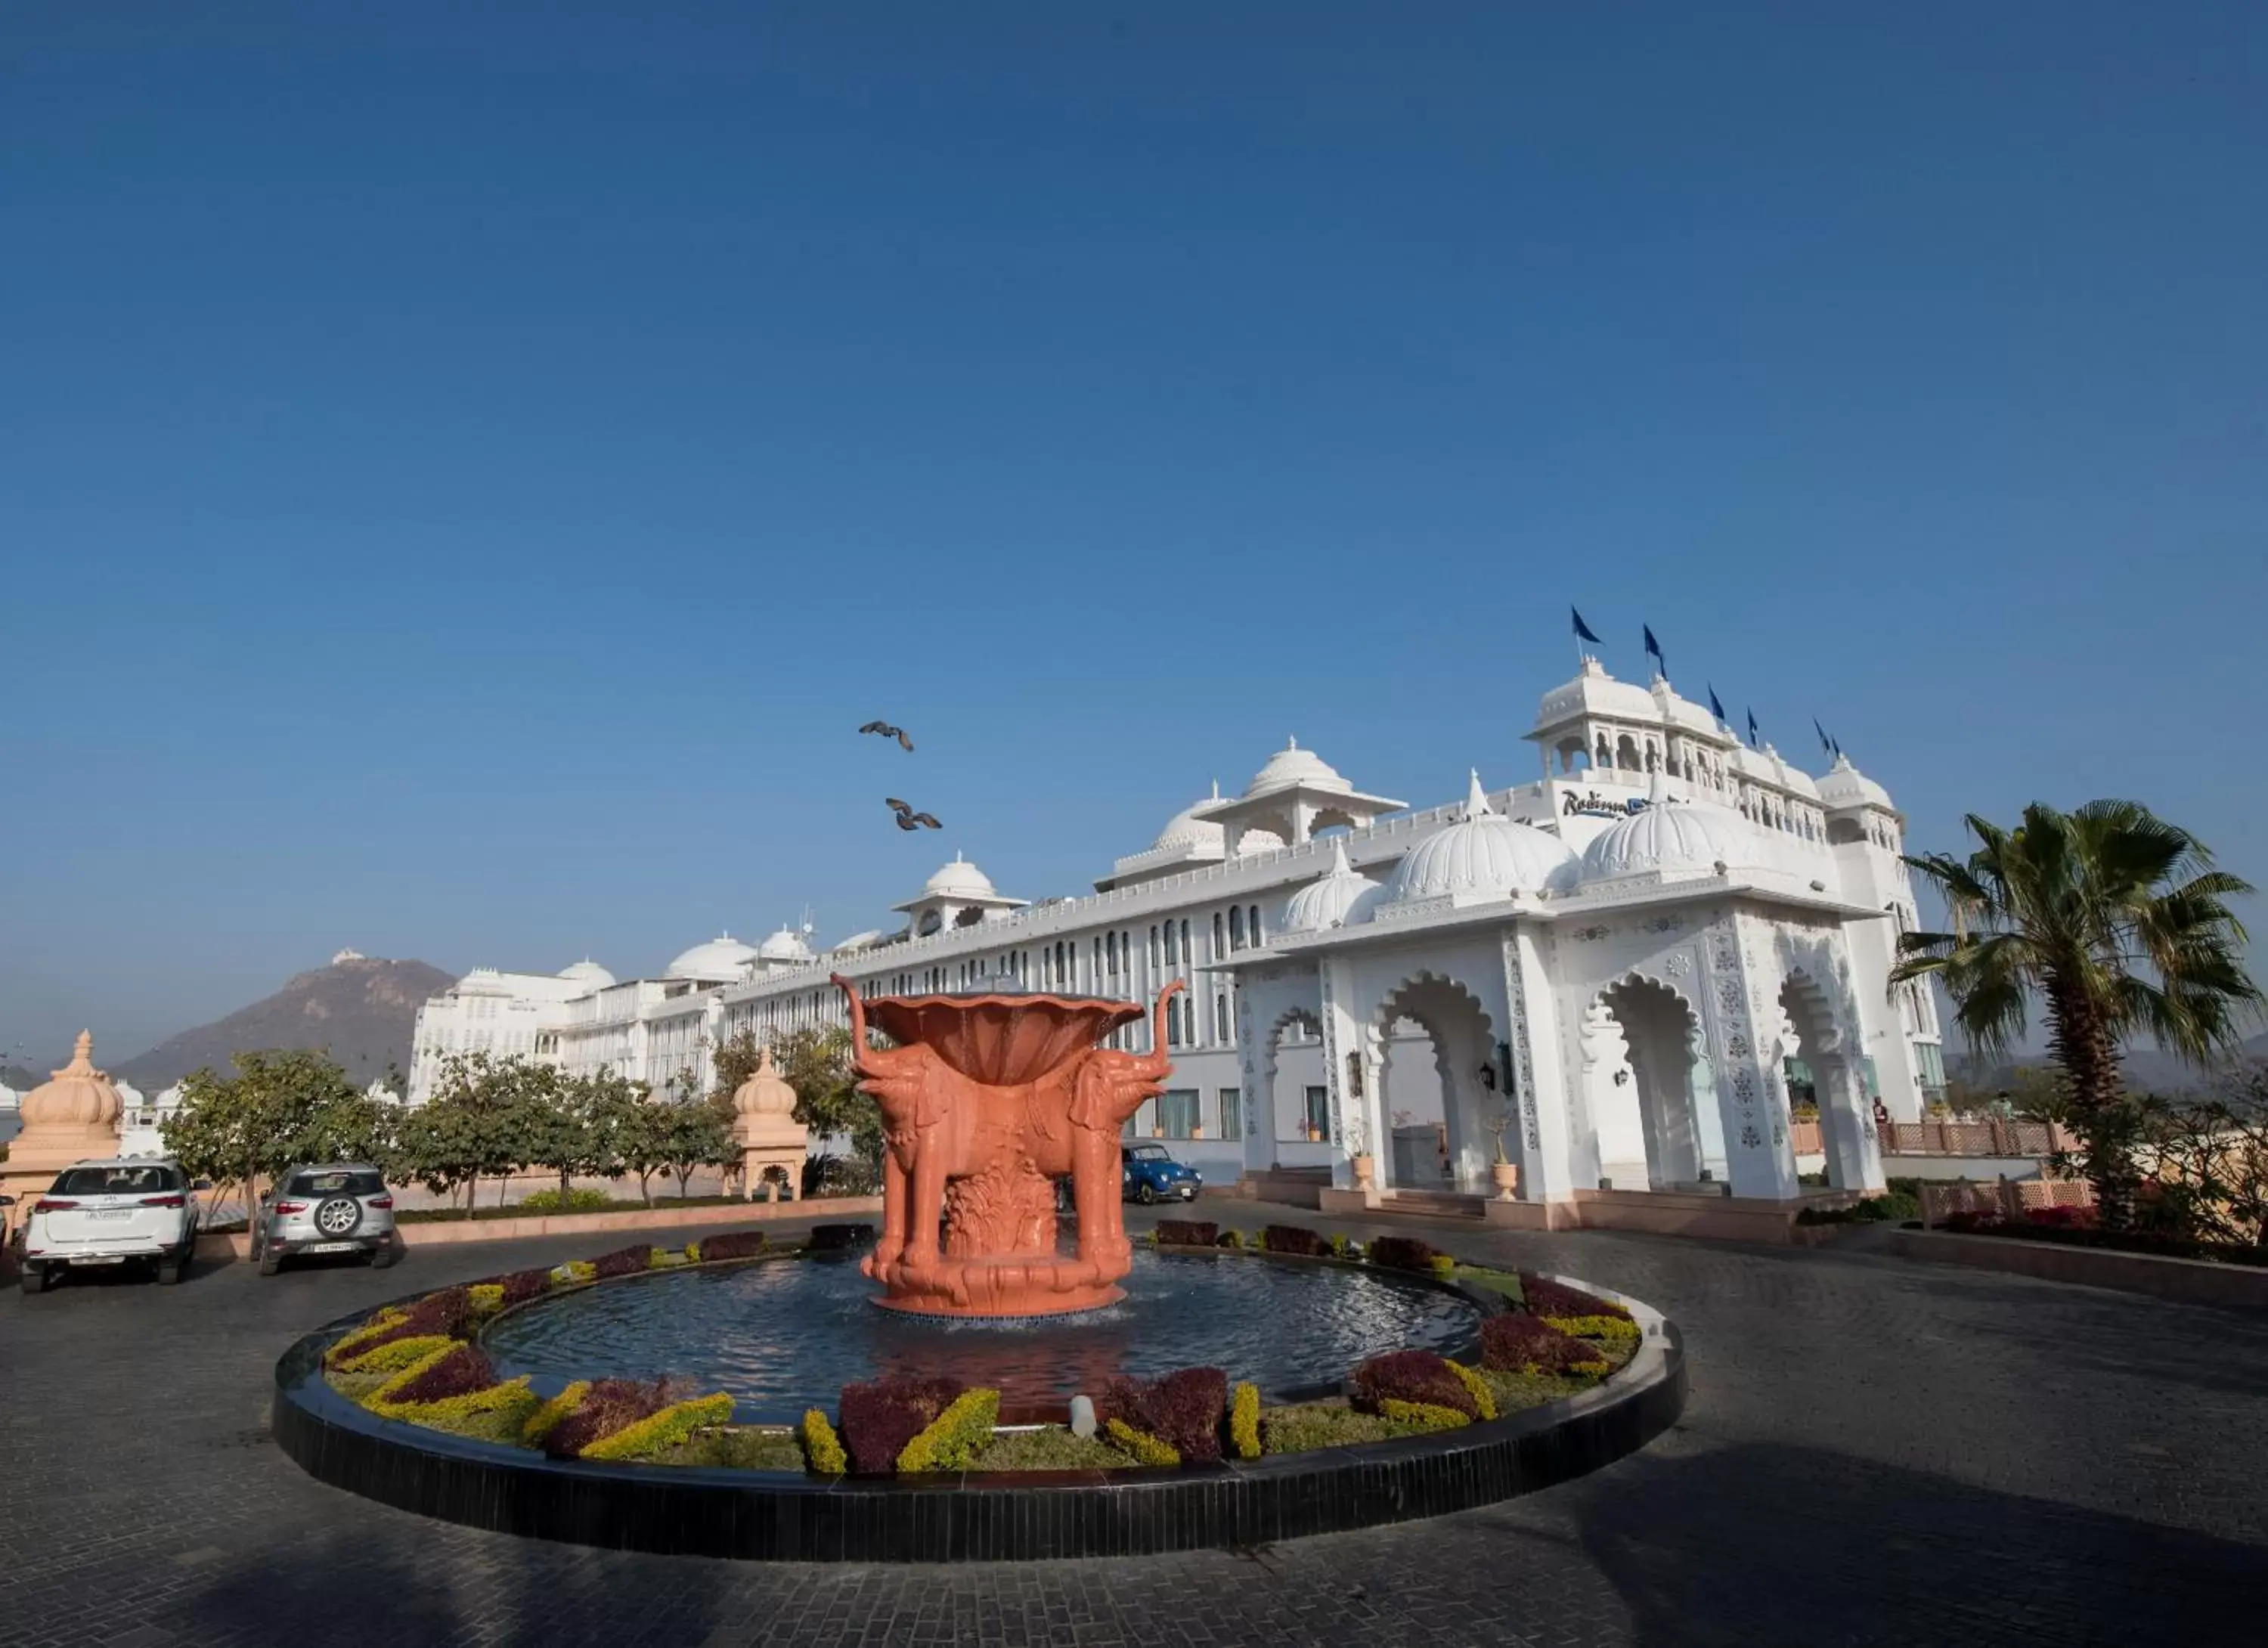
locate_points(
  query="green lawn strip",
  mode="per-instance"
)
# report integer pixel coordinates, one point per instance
(1303, 1426)
(1503, 1282)
(1517, 1391)
(354, 1387)
(738, 1447)
(1051, 1447)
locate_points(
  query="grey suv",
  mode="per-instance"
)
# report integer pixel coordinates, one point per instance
(342, 1207)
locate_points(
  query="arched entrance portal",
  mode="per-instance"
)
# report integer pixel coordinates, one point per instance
(1835, 1087)
(1295, 1105)
(1465, 1077)
(1642, 1051)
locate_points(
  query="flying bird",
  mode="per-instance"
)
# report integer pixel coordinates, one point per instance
(907, 819)
(887, 731)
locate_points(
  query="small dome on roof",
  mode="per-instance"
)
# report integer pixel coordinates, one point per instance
(588, 974)
(1486, 854)
(1669, 835)
(722, 957)
(1343, 897)
(959, 880)
(1846, 786)
(1186, 832)
(1255, 841)
(1292, 765)
(786, 944)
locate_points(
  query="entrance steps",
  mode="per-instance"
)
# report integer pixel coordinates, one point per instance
(1434, 1203)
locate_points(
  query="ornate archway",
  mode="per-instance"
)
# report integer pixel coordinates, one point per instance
(1474, 1095)
(1291, 1122)
(1829, 1048)
(1642, 1044)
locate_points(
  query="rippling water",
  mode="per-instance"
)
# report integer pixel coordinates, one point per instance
(786, 1335)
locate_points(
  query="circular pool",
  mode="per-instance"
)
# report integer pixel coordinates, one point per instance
(784, 1334)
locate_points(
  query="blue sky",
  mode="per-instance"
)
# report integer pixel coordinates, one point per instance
(464, 471)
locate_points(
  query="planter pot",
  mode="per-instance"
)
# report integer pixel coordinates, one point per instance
(1196, 1132)
(1507, 1175)
(1157, 1132)
(1365, 1172)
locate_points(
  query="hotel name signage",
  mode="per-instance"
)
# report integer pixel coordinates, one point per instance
(1593, 805)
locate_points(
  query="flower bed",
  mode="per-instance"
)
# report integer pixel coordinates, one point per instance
(2071, 1231)
(415, 1362)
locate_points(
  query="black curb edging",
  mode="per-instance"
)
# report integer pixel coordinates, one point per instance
(973, 1516)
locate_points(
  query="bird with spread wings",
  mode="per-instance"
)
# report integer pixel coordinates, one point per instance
(883, 729)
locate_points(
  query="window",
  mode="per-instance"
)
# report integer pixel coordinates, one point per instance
(1319, 1113)
(1236, 927)
(1177, 1112)
(135, 1179)
(1171, 954)
(1253, 924)
(1154, 949)
(1188, 954)
(1232, 1113)
(1220, 1029)
(1219, 947)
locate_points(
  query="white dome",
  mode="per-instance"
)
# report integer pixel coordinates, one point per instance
(1186, 832)
(722, 957)
(1668, 835)
(1254, 841)
(1846, 786)
(959, 880)
(786, 944)
(1341, 899)
(1484, 854)
(1292, 765)
(588, 974)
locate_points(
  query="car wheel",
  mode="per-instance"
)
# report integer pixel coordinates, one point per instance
(1146, 1193)
(270, 1261)
(169, 1272)
(32, 1280)
(387, 1257)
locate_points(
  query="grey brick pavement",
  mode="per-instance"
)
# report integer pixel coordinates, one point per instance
(1875, 1452)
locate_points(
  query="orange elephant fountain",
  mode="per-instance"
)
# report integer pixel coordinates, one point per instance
(986, 1099)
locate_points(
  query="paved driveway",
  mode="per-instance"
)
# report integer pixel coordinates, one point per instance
(1875, 1452)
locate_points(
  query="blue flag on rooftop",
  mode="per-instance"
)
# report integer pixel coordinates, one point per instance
(1752, 729)
(1716, 708)
(1825, 743)
(1582, 629)
(1654, 650)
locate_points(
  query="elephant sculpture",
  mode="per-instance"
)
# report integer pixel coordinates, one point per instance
(985, 1101)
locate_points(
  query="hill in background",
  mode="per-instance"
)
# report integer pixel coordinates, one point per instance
(360, 1008)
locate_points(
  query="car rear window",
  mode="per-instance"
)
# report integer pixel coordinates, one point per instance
(335, 1181)
(139, 1179)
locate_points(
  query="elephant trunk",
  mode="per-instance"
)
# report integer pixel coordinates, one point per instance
(857, 1011)
(1158, 1063)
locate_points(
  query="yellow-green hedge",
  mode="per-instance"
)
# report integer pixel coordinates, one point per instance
(395, 1354)
(1146, 1448)
(664, 1430)
(1244, 1421)
(1483, 1398)
(1445, 1268)
(574, 1270)
(541, 1422)
(1424, 1414)
(487, 1297)
(390, 1316)
(823, 1449)
(1613, 1329)
(950, 1441)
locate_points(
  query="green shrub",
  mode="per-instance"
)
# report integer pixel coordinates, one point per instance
(1049, 1447)
(952, 1440)
(1613, 1329)
(1145, 1448)
(1339, 1245)
(1244, 1421)
(1303, 1427)
(1232, 1239)
(540, 1422)
(1483, 1398)
(1422, 1416)
(573, 1202)
(664, 1430)
(1445, 1268)
(822, 1450)
(395, 1354)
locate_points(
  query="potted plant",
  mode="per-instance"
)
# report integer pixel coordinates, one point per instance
(1366, 1171)
(1503, 1171)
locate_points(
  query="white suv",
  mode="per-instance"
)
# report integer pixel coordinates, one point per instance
(98, 1214)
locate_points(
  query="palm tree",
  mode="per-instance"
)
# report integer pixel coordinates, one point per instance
(2117, 922)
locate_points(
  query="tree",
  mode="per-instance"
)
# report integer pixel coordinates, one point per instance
(691, 1134)
(817, 1064)
(573, 1124)
(482, 1122)
(280, 1108)
(2117, 922)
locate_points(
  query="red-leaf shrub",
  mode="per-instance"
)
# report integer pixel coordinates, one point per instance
(523, 1285)
(1180, 1233)
(608, 1406)
(732, 1245)
(881, 1415)
(1413, 1376)
(1403, 1253)
(625, 1260)
(1290, 1238)
(448, 1312)
(2062, 1218)
(829, 1238)
(1183, 1409)
(1546, 1298)
(462, 1370)
(1518, 1340)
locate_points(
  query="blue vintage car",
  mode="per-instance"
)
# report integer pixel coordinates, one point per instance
(1147, 1173)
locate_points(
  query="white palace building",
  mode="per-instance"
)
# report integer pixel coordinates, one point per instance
(1623, 975)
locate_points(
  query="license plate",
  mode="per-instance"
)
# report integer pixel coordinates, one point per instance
(107, 1258)
(330, 1247)
(122, 1213)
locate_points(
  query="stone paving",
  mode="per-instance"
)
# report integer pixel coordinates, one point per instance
(1875, 1452)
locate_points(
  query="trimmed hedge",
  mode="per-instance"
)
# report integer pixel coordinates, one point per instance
(513, 1398)
(1548, 1298)
(608, 1406)
(1613, 1330)
(662, 1429)
(449, 1313)
(573, 1271)
(455, 1371)
(1179, 1232)
(541, 1422)
(951, 1441)
(1410, 1376)
(730, 1244)
(1517, 1342)
(1403, 1253)
(1183, 1409)
(523, 1285)
(395, 1354)
(487, 1299)
(823, 1449)
(1244, 1421)
(879, 1417)
(1140, 1446)
(1483, 1398)
(1290, 1238)
(1424, 1416)
(623, 1261)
